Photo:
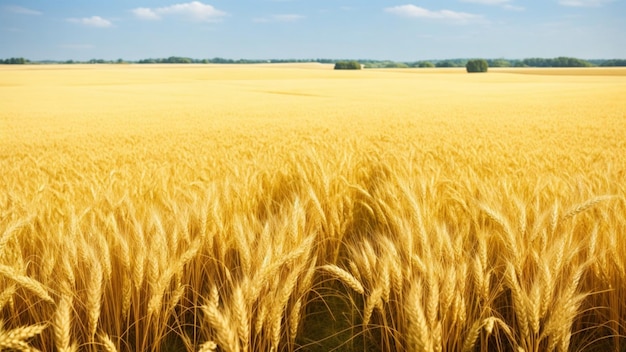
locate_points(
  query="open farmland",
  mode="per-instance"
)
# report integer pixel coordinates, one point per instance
(298, 208)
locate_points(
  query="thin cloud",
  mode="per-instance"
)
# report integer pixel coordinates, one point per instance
(513, 7)
(279, 18)
(93, 21)
(505, 4)
(488, 2)
(22, 10)
(584, 3)
(194, 10)
(412, 11)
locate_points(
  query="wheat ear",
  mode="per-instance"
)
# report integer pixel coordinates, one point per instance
(208, 346)
(586, 205)
(242, 317)
(108, 344)
(94, 296)
(26, 282)
(15, 339)
(62, 323)
(226, 336)
(345, 277)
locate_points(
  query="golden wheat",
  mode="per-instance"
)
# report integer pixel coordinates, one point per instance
(289, 208)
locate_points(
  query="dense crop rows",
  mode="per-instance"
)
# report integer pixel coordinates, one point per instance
(301, 209)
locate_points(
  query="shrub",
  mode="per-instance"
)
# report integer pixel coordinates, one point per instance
(478, 65)
(347, 65)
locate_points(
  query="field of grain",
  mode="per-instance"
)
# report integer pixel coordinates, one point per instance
(298, 208)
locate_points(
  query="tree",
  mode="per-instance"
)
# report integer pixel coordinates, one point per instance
(425, 64)
(478, 65)
(347, 65)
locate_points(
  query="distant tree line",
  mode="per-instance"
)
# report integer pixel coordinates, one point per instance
(614, 62)
(556, 62)
(367, 63)
(220, 60)
(529, 62)
(14, 61)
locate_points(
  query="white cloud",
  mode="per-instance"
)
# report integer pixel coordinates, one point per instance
(22, 10)
(584, 3)
(194, 10)
(279, 18)
(146, 13)
(93, 21)
(413, 11)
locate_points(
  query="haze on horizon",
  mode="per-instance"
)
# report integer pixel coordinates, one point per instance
(403, 30)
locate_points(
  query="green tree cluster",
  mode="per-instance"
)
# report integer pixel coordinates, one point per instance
(561, 61)
(613, 62)
(499, 63)
(169, 60)
(446, 63)
(478, 65)
(347, 65)
(98, 61)
(14, 61)
(425, 64)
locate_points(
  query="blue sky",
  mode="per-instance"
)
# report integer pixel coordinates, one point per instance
(402, 30)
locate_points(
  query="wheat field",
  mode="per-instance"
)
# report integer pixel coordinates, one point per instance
(298, 208)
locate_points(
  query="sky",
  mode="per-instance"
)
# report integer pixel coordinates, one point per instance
(400, 30)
